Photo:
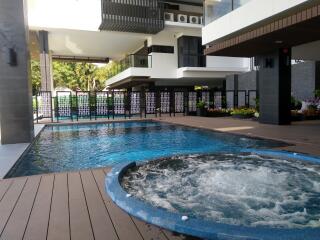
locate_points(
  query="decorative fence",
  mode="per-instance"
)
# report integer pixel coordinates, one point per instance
(112, 104)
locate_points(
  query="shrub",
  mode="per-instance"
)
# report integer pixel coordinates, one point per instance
(243, 112)
(201, 105)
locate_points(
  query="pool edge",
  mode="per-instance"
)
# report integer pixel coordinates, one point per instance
(195, 227)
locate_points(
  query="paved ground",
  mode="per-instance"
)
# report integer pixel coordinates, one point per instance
(304, 136)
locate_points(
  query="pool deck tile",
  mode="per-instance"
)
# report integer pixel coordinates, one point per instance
(10, 153)
(303, 137)
(71, 206)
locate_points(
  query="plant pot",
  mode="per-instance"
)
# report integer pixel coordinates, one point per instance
(201, 112)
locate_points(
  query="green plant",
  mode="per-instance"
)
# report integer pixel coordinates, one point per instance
(244, 112)
(317, 93)
(201, 105)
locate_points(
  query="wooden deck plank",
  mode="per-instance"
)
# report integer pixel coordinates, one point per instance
(9, 201)
(101, 223)
(148, 231)
(18, 220)
(80, 224)
(4, 186)
(59, 228)
(38, 223)
(124, 225)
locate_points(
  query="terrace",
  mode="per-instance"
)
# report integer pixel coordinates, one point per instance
(173, 161)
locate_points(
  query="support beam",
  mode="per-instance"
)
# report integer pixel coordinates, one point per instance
(275, 87)
(45, 62)
(16, 115)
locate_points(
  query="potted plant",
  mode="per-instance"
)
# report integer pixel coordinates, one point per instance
(201, 109)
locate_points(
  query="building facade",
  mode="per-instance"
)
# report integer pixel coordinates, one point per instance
(283, 38)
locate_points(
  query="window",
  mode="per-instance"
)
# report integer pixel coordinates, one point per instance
(215, 9)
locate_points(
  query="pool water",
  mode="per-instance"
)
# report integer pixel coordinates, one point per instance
(74, 147)
(243, 189)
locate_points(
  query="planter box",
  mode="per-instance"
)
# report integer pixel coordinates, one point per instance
(218, 114)
(242, 116)
(202, 112)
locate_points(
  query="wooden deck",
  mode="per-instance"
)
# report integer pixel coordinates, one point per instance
(68, 206)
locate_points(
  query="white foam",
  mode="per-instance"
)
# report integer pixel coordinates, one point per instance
(243, 190)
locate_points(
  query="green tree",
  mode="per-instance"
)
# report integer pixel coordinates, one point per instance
(35, 76)
(73, 75)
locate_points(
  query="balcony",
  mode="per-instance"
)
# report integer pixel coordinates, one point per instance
(191, 60)
(182, 17)
(131, 61)
(132, 16)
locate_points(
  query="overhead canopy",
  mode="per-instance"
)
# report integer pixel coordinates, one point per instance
(298, 27)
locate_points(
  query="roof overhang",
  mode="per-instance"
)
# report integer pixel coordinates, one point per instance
(299, 26)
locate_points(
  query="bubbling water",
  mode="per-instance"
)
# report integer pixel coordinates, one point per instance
(244, 189)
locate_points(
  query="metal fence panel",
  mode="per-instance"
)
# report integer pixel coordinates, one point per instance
(192, 102)
(217, 99)
(165, 102)
(102, 104)
(242, 99)
(83, 104)
(135, 103)
(230, 99)
(150, 103)
(44, 105)
(179, 102)
(64, 104)
(119, 103)
(205, 97)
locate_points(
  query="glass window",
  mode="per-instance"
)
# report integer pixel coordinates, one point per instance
(239, 3)
(215, 9)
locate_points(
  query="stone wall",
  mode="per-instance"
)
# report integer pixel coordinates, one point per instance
(16, 116)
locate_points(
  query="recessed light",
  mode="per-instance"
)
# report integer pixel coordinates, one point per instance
(278, 41)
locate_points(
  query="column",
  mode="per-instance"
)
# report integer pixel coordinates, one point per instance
(45, 62)
(275, 87)
(16, 114)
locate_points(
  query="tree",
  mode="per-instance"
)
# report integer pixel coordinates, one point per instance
(35, 76)
(73, 75)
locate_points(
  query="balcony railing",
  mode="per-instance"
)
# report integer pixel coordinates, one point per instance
(216, 9)
(192, 60)
(133, 60)
(132, 16)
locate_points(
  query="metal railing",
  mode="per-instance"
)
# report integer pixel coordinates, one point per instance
(123, 104)
(133, 60)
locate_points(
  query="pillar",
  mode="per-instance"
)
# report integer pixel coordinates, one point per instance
(45, 62)
(16, 113)
(275, 87)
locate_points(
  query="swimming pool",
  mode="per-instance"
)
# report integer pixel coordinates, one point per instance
(81, 146)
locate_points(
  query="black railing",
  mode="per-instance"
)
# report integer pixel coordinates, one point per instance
(133, 60)
(132, 16)
(123, 104)
(192, 60)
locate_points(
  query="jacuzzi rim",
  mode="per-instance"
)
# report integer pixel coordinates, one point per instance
(203, 228)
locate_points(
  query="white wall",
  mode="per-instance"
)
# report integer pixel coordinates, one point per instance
(250, 13)
(225, 62)
(65, 14)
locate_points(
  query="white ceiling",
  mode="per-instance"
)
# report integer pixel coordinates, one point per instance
(114, 45)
